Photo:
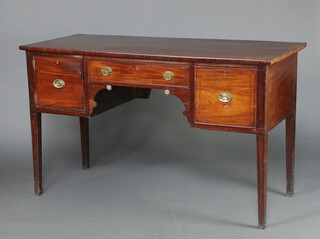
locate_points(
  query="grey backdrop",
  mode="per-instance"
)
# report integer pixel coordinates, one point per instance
(152, 176)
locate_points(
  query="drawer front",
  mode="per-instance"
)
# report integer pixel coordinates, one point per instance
(225, 96)
(139, 72)
(59, 83)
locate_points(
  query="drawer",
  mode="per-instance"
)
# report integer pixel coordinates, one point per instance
(139, 72)
(225, 96)
(59, 83)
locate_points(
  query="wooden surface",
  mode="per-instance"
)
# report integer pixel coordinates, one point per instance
(262, 168)
(240, 83)
(47, 69)
(280, 91)
(36, 135)
(139, 72)
(290, 152)
(84, 135)
(182, 49)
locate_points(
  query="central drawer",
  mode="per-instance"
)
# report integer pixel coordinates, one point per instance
(139, 72)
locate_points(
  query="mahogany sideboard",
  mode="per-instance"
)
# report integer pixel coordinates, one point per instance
(226, 85)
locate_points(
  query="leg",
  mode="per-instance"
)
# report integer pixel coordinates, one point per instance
(262, 153)
(84, 131)
(290, 150)
(36, 150)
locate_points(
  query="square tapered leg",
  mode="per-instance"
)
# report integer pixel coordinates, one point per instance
(36, 151)
(290, 152)
(262, 164)
(84, 131)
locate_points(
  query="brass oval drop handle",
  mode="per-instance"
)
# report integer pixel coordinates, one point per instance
(58, 83)
(106, 71)
(225, 97)
(168, 75)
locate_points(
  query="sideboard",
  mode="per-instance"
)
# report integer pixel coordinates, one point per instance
(227, 85)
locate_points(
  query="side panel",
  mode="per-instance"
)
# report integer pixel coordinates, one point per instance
(280, 96)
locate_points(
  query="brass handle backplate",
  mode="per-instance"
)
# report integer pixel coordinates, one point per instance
(225, 97)
(58, 83)
(106, 71)
(168, 75)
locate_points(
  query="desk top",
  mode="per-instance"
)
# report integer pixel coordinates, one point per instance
(180, 49)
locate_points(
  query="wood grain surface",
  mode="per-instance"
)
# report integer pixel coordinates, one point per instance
(281, 81)
(47, 69)
(240, 83)
(181, 49)
(139, 72)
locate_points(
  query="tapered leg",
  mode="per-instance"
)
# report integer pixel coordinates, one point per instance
(36, 151)
(84, 131)
(290, 152)
(262, 164)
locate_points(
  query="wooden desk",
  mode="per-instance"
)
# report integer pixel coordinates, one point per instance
(228, 85)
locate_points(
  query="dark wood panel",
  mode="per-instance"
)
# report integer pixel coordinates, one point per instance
(280, 92)
(32, 94)
(182, 49)
(240, 83)
(260, 87)
(139, 72)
